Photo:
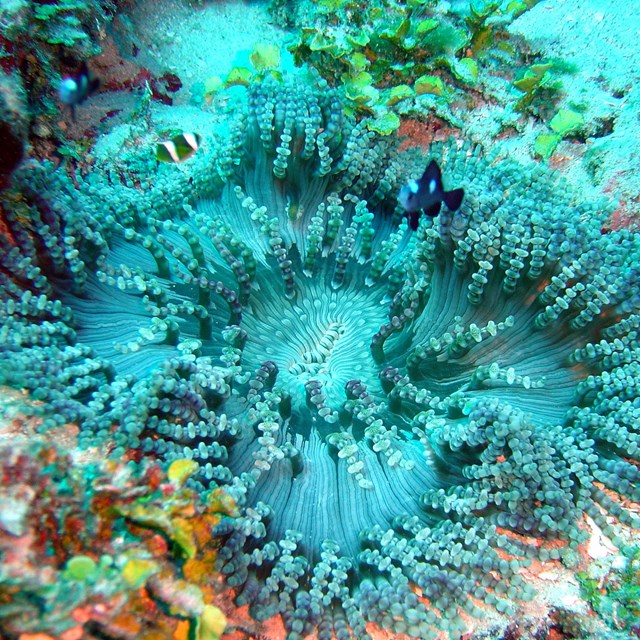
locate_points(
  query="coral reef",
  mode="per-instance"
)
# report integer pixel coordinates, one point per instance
(403, 419)
(90, 549)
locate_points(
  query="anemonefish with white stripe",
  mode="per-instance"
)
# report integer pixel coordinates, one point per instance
(428, 194)
(179, 148)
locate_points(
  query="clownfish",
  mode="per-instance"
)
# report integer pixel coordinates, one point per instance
(179, 148)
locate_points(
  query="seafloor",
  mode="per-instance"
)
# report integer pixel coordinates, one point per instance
(209, 367)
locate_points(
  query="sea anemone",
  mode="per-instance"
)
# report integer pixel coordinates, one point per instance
(399, 416)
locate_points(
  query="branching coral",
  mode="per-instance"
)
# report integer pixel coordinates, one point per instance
(399, 416)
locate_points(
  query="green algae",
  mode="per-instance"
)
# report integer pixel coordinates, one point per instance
(80, 568)
(566, 121)
(614, 591)
(399, 44)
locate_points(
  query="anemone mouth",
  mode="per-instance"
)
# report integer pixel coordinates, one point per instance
(378, 403)
(319, 341)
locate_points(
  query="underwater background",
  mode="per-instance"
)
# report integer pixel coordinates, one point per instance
(242, 397)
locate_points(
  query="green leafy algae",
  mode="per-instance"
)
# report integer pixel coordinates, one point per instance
(545, 144)
(566, 121)
(80, 568)
(398, 43)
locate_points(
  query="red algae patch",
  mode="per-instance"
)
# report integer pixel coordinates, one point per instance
(417, 133)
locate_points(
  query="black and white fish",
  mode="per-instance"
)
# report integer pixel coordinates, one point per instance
(179, 148)
(428, 194)
(75, 89)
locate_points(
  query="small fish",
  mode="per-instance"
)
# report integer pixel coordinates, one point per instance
(428, 194)
(75, 89)
(179, 148)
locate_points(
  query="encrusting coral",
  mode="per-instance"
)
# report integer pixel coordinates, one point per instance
(399, 416)
(91, 548)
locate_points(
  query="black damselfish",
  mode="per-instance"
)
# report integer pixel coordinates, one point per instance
(75, 89)
(428, 194)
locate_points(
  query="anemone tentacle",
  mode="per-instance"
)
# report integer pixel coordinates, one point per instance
(396, 414)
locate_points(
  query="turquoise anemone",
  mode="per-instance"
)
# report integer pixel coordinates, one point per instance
(399, 416)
